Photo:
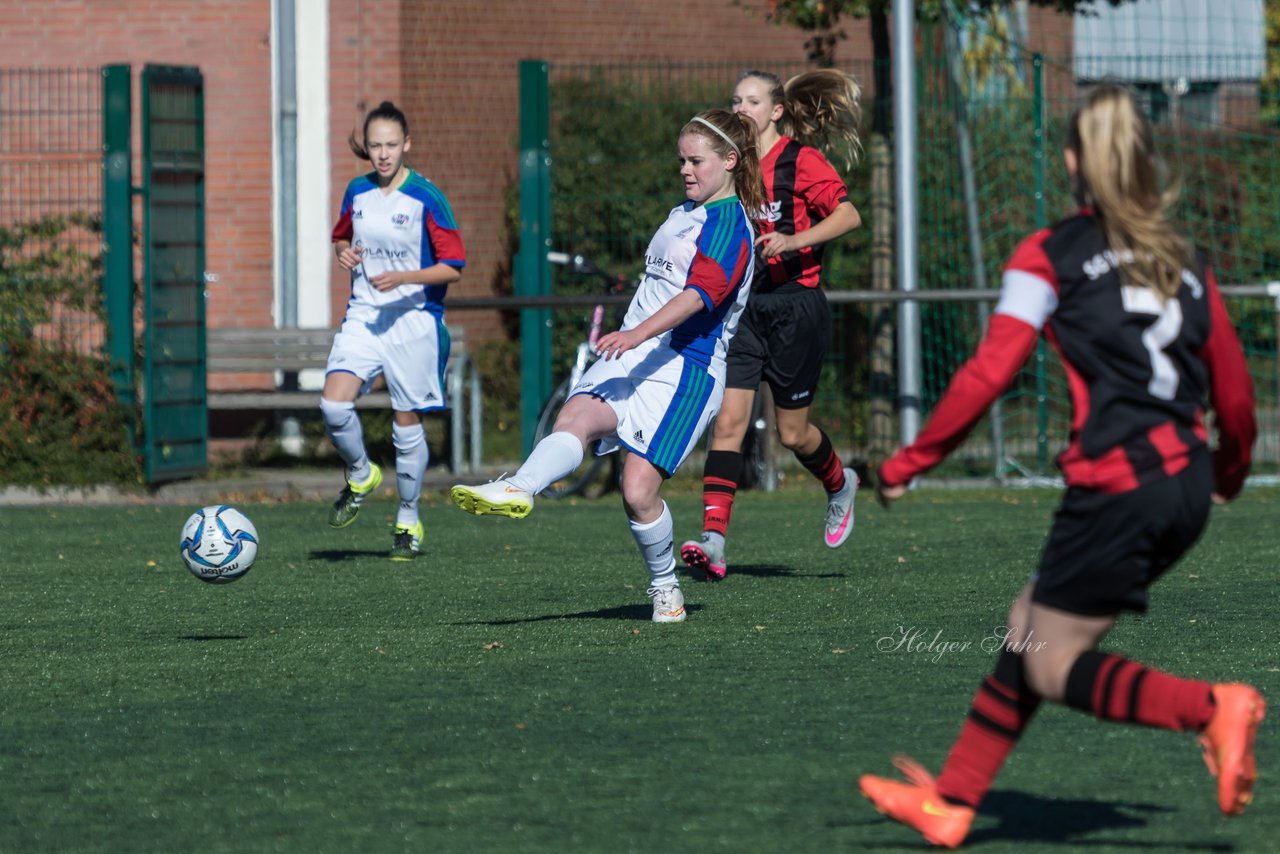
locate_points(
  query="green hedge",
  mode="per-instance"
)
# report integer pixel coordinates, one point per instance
(60, 421)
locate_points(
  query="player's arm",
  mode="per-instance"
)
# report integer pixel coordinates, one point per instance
(1230, 395)
(343, 232)
(677, 310)
(844, 219)
(718, 268)
(442, 273)
(823, 191)
(977, 385)
(1028, 296)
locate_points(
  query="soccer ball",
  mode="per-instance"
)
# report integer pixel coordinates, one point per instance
(219, 544)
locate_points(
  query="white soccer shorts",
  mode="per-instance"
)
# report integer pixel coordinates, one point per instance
(409, 348)
(663, 402)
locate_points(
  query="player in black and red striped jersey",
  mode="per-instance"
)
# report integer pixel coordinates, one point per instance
(785, 332)
(1137, 319)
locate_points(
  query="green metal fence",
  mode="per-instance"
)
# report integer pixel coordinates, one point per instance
(67, 239)
(175, 410)
(51, 208)
(614, 178)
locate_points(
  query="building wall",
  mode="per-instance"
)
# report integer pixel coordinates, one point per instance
(230, 41)
(452, 65)
(459, 85)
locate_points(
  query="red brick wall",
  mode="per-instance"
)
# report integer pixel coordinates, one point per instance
(460, 86)
(365, 69)
(452, 64)
(230, 41)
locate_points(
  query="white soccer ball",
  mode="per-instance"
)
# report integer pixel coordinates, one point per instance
(219, 544)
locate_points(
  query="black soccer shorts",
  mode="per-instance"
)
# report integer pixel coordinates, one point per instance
(1105, 550)
(783, 337)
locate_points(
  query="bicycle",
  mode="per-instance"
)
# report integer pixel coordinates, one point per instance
(578, 481)
(758, 468)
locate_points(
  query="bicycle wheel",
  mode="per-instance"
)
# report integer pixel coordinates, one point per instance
(577, 481)
(759, 469)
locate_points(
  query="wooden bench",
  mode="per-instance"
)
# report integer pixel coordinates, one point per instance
(258, 351)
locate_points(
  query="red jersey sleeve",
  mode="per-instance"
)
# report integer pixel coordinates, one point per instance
(342, 230)
(819, 183)
(724, 247)
(982, 379)
(1230, 395)
(1028, 296)
(446, 242)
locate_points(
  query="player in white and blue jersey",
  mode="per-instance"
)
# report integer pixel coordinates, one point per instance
(397, 235)
(660, 378)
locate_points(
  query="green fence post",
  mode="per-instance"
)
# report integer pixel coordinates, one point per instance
(117, 232)
(1041, 151)
(175, 414)
(532, 274)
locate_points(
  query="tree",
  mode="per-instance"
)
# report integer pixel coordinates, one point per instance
(1270, 84)
(823, 18)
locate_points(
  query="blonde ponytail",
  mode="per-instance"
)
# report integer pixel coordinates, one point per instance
(1118, 178)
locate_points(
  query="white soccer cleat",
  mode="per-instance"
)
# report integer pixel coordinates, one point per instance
(840, 511)
(496, 498)
(668, 604)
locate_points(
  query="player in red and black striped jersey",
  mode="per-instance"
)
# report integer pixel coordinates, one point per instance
(1140, 326)
(785, 332)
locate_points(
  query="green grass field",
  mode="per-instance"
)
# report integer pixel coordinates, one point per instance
(508, 693)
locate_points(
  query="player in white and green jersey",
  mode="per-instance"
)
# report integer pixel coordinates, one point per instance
(660, 378)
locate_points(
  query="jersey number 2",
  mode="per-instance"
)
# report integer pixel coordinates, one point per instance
(1158, 336)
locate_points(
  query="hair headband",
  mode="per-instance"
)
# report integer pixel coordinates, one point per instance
(719, 133)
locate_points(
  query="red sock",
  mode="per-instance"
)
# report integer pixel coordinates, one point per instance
(825, 465)
(719, 485)
(1114, 688)
(1001, 710)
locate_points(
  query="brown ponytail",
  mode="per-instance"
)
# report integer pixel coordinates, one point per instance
(819, 108)
(386, 111)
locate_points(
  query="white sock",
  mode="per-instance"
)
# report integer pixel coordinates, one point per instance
(553, 458)
(715, 538)
(657, 546)
(343, 426)
(412, 456)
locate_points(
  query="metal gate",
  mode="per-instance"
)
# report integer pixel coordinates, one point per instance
(175, 412)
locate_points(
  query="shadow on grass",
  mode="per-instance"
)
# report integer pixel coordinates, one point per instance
(622, 612)
(339, 555)
(212, 637)
(1056, 821)
(764, 570)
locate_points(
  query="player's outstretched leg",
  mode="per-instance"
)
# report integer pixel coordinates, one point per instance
(552, 458)
(406, 541)
(347, 507)
(1228, 743)
(497, 498)
(917, 804)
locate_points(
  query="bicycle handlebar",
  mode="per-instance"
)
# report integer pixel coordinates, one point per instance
(613, 284)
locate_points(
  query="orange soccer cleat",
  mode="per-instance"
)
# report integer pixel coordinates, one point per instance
(1228, 743)
(917, 804)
